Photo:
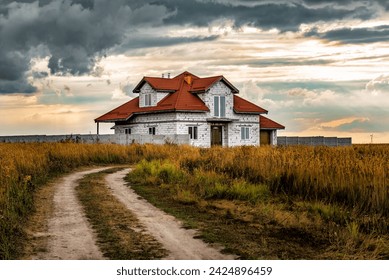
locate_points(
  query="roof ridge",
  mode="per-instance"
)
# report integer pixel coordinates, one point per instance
(179, 92)
(186, 73)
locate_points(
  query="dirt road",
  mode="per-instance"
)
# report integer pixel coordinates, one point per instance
(166, 229)
(70, 236)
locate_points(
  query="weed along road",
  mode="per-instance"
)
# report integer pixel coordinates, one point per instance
(180, 242)
(70, 235)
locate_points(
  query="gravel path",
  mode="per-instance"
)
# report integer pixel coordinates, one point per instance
(70, 237)
(166, 229)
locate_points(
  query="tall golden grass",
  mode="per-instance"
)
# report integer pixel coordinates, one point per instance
(355, 177)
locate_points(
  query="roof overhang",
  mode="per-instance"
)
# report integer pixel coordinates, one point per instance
(144, 80)
(271, 128)
(219, 120)
(150, 112)
(249, 113)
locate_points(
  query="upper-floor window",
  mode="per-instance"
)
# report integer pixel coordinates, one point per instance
(127, 130)
(219, 106)
(245, 133)
(148, 99)
(192, 131)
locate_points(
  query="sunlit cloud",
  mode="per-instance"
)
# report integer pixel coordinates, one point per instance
(319, 67)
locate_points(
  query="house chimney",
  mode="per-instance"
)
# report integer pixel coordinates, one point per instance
(188, 79)
(168, 75)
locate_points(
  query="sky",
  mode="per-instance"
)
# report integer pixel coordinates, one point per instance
(320, 67)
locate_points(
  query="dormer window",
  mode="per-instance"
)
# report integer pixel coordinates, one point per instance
(148, 99)
(219, 106)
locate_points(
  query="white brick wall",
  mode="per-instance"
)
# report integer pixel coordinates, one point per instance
(165, 124)
(178, 122)
(155, 95)
(203, 133)
(218, 89)
(231, 131)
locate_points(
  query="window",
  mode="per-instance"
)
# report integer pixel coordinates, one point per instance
(127, 130)
(219, 106)
(152, 130)
(148, 99)
(192, 131)
(245, 133)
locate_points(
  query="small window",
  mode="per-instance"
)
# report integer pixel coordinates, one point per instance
(192, 131)
(152, 130)
(148, 99)
(245, 133)
(127, 130)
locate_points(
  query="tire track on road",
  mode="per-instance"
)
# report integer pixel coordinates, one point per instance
(70, 236)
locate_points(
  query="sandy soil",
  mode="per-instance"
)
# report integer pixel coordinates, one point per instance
(166, 229)
(70, 236)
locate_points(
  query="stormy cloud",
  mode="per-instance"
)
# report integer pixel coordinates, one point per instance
(283, 16)
(354, 35)
(156, 41)
(75, 34)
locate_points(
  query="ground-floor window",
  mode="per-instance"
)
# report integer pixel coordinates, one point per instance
(192, 131)
(245, 133)
(127, 130)
(152, 130)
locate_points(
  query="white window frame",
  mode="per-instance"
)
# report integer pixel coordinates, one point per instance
(193, 132)
(219, 106)
(245, 133)
(148, 99)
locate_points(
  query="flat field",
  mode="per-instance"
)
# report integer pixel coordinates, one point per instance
(279, 203)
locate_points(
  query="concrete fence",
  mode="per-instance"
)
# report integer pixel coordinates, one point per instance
(123, 139)
(314, 141)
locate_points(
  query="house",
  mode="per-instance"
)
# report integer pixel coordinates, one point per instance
(207, 110)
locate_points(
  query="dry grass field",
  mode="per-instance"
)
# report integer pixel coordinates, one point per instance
(341, 192)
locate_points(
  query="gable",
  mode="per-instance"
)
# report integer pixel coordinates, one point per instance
(178, 94)
(204, 84)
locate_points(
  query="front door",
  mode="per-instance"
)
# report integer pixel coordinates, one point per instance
(265, 137)
(216, 135)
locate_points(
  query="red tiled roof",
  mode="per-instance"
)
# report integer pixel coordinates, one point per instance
(203, 84)
(180, 97)
(243, 106)
(160, 84)
(266, 123)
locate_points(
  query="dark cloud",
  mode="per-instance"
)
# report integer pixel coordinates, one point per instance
(76, 33)
(136, 42)
(384, 3)
(354, 35)
(327, 2)
(284, 16)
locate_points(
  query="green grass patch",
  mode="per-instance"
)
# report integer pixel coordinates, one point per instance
(250, 221)
(218, 221)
